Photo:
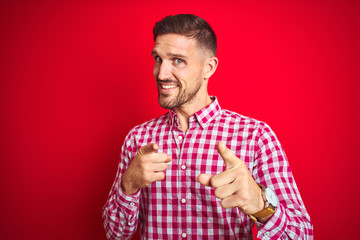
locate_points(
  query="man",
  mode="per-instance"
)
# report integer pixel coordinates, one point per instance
(199, 171)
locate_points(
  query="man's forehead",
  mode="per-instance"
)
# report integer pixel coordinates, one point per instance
(174, 43)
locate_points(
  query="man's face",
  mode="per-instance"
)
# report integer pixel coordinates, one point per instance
(178, 69)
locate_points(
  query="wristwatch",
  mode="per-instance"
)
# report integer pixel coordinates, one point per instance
(271, 202)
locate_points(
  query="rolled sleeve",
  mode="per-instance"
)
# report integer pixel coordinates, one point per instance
(274, 226)
(121, 211)
(129, 204)
(290, 220)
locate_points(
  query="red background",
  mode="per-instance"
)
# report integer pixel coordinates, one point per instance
(76, 76)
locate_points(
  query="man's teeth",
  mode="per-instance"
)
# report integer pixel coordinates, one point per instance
(168, 86)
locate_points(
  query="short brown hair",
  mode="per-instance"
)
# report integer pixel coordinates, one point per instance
(188, 25)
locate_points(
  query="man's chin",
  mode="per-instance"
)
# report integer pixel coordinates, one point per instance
(166, 103)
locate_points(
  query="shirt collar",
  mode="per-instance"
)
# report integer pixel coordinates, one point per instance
(203, 117)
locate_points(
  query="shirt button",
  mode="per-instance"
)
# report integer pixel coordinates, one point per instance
(266, 234)
(183, 200)
(183, 167)
(183, 235)
(180, 137)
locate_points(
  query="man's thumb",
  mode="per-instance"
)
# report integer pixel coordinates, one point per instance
(204, 179)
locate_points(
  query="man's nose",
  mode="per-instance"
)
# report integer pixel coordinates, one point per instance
(164, 71)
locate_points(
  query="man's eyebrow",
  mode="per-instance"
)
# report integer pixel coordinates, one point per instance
(176, 55)
(153, 53)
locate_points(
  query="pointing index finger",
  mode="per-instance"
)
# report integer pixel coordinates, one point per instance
(230, 159)
(147, 149)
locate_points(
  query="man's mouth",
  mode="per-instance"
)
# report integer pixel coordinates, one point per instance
(163, 86)
(167, 86)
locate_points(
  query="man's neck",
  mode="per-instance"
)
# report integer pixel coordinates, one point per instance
(186, 111)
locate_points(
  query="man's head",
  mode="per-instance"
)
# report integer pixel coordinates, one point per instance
(188, 25)
(184, 54)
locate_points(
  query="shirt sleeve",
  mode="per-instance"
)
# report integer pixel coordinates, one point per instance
(290, 220)
(120, 213)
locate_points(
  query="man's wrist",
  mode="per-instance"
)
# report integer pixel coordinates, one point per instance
(127, 187)
(269, 205)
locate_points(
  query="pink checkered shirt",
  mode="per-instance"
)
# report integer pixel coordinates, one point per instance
(179, 207)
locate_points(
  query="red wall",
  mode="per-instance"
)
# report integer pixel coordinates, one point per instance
(76, 76)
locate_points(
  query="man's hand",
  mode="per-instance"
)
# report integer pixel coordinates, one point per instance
(147, 167)
(235, 186)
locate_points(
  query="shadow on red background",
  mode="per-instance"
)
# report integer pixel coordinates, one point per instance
(76, 76)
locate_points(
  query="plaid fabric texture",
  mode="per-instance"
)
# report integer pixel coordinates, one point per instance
(179, 207)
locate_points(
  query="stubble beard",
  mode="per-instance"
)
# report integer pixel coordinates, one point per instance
(181, 99)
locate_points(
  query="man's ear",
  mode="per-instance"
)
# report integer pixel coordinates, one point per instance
(210, 66)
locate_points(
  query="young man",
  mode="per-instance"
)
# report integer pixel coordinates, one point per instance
(199, 171)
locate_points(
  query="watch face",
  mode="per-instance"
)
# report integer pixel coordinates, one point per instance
(271, 197)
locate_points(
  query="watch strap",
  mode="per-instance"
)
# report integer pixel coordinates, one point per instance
(263, 213)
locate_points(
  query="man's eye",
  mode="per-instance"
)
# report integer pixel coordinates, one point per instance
(178, 61)
(157, 59)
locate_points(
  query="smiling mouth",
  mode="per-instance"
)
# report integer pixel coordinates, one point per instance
(167, 86)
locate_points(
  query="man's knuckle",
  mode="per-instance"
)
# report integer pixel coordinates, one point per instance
(161, 175)
(225, 203)
(147, 178)
(243, 196)
(214, 182)
(143, 160)
(243, 170)
(218, 193)
(165, 166)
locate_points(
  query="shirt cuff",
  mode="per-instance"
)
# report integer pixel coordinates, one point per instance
(129, 203)
(274, 227)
